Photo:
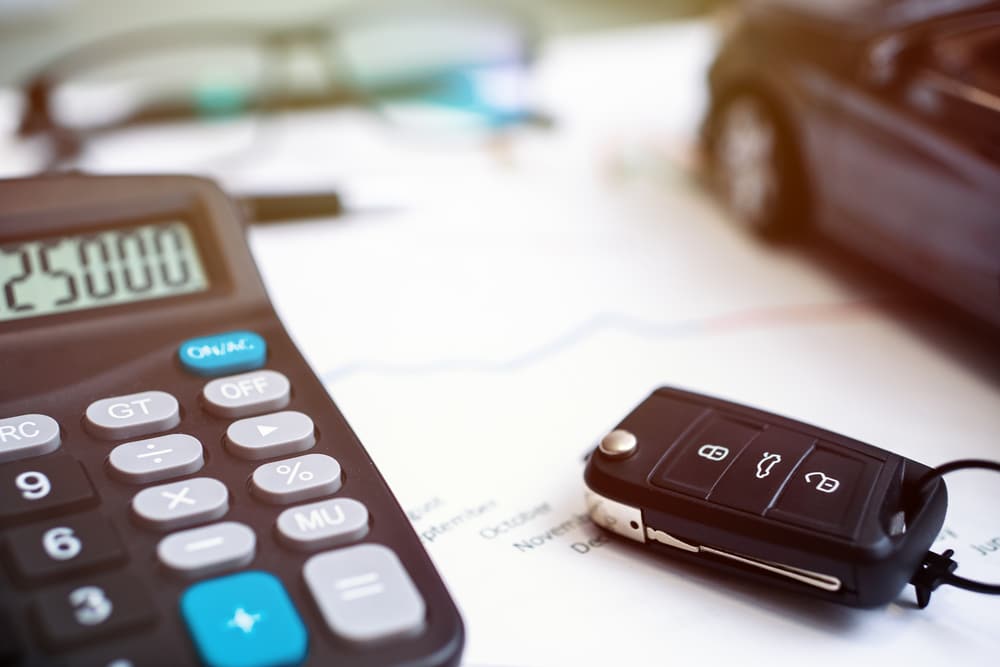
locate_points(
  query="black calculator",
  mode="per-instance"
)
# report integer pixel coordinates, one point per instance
(765, 497)
(176, 486)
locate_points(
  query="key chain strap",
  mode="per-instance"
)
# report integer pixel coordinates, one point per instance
(939, 569)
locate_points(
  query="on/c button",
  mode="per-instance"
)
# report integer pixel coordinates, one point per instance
(229, 352)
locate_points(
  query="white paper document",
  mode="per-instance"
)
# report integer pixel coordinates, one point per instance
(482, 341)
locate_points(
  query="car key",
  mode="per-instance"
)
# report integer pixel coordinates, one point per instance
(767, 497)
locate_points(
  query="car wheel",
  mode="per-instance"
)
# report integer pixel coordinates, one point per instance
(754, 166)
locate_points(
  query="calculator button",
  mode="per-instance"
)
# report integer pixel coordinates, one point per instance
(27, 435)
(297, 479)
(92, 609)
(364, 594)
(209, 549)
(756, 476)
(244, 620)
(324, 524)
(41, 487)
(696, 464)
(247, 394)
(121, 417)
(270, 435)
(156, 459)
(181, 504)
(827, 491)
(63, 546)
(229, 352)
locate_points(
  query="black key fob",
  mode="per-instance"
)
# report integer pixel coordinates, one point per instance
(770, 498)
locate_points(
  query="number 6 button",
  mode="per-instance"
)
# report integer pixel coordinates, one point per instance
(59, 547)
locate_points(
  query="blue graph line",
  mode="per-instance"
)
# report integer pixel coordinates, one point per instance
(607, 321)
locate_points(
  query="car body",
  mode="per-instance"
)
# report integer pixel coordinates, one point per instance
(879, 121)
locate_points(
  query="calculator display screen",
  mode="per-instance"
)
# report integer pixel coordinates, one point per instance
(102, 268)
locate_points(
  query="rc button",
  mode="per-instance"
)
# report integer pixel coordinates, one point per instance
(247, 394)
(121, 417)
(27, 435)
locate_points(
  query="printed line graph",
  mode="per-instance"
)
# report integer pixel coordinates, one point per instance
(648, 329)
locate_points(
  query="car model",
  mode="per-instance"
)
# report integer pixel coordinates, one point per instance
(876, 122)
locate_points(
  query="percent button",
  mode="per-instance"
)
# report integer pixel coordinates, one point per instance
(297, 479)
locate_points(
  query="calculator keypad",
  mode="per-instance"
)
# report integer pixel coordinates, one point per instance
(364, 593)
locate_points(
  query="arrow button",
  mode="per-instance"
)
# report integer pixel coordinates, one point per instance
(267, 436)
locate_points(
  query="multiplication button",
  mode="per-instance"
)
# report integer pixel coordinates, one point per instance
(247, 394)
(364, 594)
(133, 415)
(181, 504)
(27, 435)
(156, 459)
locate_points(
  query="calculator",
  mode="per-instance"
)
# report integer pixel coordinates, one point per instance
(176, 485)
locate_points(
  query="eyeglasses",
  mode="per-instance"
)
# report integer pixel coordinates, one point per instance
(436, 70)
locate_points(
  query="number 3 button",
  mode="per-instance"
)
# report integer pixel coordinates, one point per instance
(58, 547)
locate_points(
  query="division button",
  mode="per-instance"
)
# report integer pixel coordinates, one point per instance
(755, 478)
(244, 620)
(276, 434)
(297, 479)
(121, 417)
(63, 546)
(247, 394)
(91, 609)
(27, 435)
(324, 524)
(229, 352)
(156, 459)
(364, 594)
(42, 487)
(209, 549)
(181, 504)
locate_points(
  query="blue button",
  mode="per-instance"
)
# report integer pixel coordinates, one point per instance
(244, 620)
(224, 353)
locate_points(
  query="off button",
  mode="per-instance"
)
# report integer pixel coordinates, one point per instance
(229, 352)
(247, 394)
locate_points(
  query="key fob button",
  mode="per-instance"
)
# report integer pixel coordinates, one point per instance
(694, 466)
(756, 476)
(828, 491)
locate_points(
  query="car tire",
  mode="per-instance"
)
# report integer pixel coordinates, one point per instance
(755, 166)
